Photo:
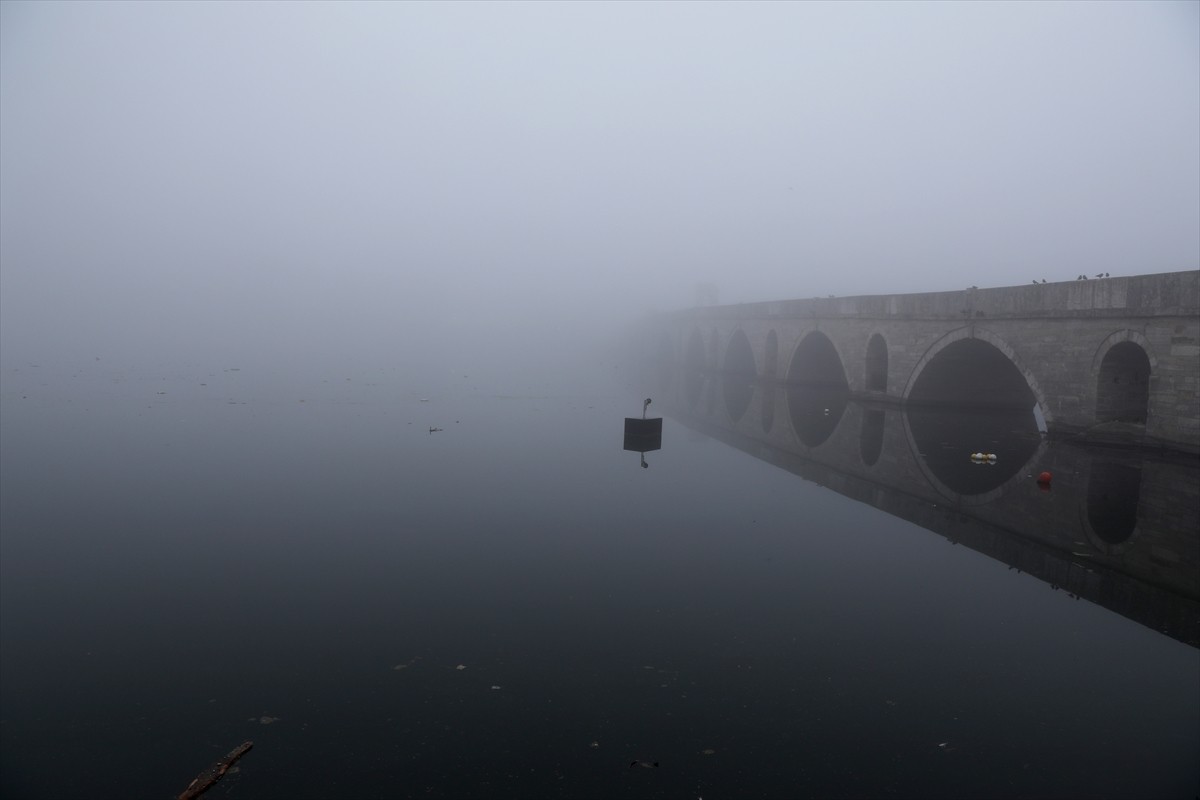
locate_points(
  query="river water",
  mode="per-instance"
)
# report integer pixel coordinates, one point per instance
(512, 606)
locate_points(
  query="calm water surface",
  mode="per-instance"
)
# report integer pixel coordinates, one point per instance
(512, 607)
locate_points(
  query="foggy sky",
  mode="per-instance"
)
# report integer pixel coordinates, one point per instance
(283, 179)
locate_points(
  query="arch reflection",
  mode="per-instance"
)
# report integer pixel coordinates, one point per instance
(768, 407)
(871, 443)
(817, 390)
(1124, 537)
(1113, 493)
(946, 438)
(877, 364)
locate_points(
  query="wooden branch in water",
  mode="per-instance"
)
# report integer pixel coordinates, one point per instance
(206, 779)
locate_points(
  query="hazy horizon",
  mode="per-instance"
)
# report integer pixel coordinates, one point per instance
(283, 181)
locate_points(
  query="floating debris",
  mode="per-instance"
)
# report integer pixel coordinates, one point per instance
(708, 751)
(206, 779)
(461, 667)
(594, 745)
(264, 720)
(495, 688)
(646, 764)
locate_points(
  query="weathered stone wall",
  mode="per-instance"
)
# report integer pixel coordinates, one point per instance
(1056, 335)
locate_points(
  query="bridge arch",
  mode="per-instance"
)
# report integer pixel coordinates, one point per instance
(816, 359)
(771, 356)
(738, 373)
(817, 389)
(1121, 369)
(877, 363)
(710, 394)
(694, 362)
(770, 375)
(956, 336)
(970, 393)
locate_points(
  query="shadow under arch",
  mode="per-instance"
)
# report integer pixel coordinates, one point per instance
(1121, 370)
(969, 332)
(738, 375)
(817, 389)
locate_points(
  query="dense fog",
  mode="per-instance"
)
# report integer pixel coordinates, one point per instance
(321, 372)
(461, 185)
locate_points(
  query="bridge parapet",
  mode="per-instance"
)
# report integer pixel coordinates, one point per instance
(1163, 294)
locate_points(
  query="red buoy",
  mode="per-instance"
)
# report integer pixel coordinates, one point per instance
(1044, 479)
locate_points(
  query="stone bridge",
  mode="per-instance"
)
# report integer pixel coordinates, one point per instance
(1110, 358)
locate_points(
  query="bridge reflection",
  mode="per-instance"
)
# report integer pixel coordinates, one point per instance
(1118, 527)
